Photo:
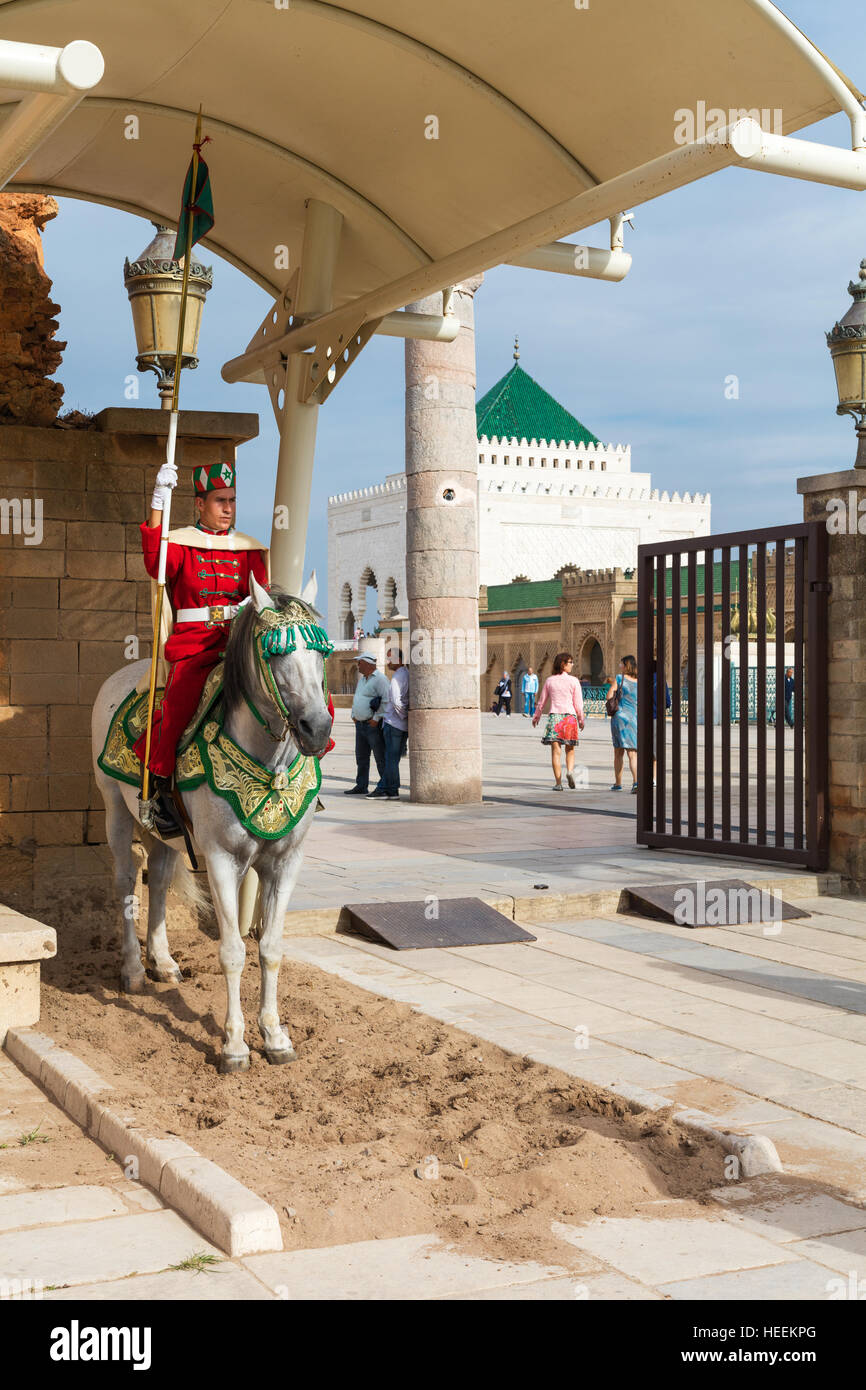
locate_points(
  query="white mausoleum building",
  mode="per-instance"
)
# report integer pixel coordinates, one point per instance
(549, 494)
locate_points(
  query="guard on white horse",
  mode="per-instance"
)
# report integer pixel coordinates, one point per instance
(250, 779)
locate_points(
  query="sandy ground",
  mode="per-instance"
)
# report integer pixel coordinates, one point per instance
(389, 1123)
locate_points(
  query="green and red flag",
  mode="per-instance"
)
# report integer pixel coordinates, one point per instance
(196, 205)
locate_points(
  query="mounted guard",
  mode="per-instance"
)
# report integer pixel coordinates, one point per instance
(207, 574)
(245, 698)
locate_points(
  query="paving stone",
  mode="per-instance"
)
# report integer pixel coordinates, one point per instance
(23, 1118)
(794, 1282)
(841, 1060)
(71, 1254)
(815, 1148)
(49, 1206)
(577, 1289)
(841, 1025)
(653, 1251)
(140, 1196)
(784, 1218)
(845, 1253)
(837, 1105)
(406, 1267)
(224, 1281)
(15, 1087)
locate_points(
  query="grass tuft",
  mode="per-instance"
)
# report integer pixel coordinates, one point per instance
(200, 1263)
(33, 1137)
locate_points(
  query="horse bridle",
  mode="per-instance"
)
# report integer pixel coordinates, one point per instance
(276, 634)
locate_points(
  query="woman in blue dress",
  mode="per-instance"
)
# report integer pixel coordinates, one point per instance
(623, 724)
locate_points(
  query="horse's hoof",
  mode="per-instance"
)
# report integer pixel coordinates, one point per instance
(133, 984)
(279, 1059)
(232, 1064)
(166, 977)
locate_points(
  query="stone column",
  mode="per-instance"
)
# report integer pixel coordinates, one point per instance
(442, 559)
(839, 499)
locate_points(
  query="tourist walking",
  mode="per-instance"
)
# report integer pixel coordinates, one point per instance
(503, 693)
(529, 687)
(789, 697)
(370, 696)
(622, 708)
(562, 695)
(395, 729)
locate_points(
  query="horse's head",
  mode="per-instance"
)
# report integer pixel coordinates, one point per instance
(275, 660)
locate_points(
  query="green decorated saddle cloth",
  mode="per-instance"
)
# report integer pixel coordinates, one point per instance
(267, 804)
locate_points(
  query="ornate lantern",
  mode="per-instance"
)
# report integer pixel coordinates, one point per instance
(847, 344)
(153, 283)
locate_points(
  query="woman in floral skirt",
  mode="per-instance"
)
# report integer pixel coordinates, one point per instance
(562, 694)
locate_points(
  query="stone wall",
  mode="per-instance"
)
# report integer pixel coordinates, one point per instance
(29, 352)
(846, 642)
(77, 605)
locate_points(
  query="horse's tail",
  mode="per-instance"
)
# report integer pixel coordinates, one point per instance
(188, 888)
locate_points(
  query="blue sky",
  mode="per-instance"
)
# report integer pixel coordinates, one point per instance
(740, 274)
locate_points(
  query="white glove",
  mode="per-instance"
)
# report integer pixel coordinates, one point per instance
(167, 475)
(166, 479)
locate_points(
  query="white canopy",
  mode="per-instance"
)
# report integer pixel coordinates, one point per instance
(428, 126)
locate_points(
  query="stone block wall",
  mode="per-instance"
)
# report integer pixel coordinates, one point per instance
(76, 605)
(846, 650)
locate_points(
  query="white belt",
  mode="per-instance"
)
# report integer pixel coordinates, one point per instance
(219, 613)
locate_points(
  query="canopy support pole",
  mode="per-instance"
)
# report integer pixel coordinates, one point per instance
(296, 420)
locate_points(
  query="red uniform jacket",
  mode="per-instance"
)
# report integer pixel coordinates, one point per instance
(195, 578)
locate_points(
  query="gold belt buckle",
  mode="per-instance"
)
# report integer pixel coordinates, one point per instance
(217, 615)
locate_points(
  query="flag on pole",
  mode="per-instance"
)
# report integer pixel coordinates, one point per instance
(197, 204)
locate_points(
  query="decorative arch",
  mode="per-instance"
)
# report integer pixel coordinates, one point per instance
(389, 597)
(367, 578)
(590, 658)
(345, 615)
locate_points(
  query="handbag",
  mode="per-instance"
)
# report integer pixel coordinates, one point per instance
(611, 705)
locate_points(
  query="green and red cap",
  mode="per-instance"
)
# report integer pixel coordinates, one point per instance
(219, 475)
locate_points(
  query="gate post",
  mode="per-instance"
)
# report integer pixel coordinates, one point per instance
(838, 500)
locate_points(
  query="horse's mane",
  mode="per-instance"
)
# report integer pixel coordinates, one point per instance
(239, 672)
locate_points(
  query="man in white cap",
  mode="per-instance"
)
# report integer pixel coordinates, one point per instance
(368, 707)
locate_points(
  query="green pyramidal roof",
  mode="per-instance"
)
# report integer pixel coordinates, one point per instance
(518, 408)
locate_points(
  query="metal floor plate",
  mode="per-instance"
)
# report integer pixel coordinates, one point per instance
(460, 922)
(724, 902)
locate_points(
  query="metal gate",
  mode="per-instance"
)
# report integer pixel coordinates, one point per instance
(723, 613)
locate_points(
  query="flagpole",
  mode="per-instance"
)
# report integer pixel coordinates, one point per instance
(169, 458)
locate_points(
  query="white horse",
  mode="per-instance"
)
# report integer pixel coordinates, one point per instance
(256, 684)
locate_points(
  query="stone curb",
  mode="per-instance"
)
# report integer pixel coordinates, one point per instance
(226, 1212)
(556, 907)
(755, 1153)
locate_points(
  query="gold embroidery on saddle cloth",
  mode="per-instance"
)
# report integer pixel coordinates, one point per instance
(268, 804)
(126, 727)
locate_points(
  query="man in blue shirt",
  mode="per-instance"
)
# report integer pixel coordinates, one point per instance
(529, 686)
(368, 707)
(395, 727)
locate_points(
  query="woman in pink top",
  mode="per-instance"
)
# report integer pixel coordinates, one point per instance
(562, 694)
